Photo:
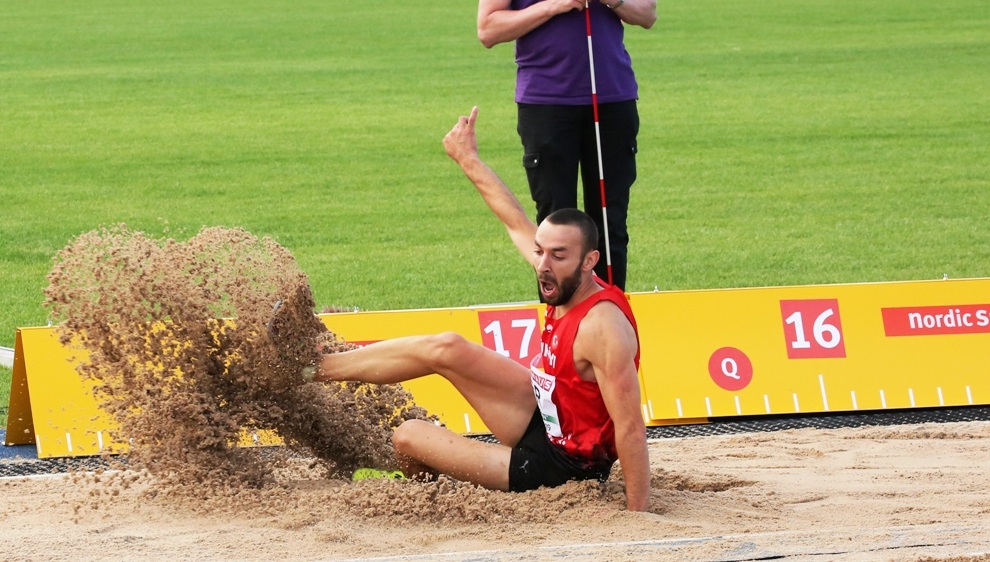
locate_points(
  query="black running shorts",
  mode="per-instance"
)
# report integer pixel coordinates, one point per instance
(536, 462)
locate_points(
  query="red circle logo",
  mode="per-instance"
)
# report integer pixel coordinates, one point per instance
(730, 368)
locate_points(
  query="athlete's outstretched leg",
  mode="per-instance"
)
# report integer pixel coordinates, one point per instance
(498, 388)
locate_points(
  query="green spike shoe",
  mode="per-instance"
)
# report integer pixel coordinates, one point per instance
(366, 473)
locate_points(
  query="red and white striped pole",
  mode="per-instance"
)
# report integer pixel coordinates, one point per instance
(598, 142)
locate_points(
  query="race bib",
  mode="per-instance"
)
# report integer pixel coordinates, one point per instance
(543, 385)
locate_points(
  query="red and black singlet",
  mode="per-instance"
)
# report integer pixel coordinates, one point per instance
(573, 409)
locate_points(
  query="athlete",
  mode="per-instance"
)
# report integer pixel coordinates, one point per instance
(573, 413)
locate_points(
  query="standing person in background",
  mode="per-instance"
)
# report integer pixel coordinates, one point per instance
(556, 120)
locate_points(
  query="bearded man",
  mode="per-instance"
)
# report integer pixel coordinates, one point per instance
(574, 412)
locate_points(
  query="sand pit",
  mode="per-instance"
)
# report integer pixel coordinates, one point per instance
(182, 382)
(907, 493)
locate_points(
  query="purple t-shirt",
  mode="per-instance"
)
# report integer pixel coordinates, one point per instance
(553, 65)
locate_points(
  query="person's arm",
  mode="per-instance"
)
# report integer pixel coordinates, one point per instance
(607, 340)
(498, 23)
(461, 144)
(634, 12)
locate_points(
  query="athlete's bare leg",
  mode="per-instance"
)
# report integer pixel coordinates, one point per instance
(423, 449)
(498, 388)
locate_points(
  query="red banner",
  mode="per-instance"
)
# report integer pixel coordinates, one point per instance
(936, 320)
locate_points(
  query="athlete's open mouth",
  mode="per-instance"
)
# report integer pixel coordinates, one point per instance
(547, 288)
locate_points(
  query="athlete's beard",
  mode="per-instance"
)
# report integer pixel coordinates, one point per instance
(566, 287)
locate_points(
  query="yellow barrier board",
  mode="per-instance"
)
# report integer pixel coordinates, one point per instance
(822, 348)
(718, 353)
(50, 405)
(20, 422)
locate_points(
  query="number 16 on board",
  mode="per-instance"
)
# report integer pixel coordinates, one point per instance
(812, 329)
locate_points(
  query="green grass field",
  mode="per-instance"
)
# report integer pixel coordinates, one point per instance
(783, 142)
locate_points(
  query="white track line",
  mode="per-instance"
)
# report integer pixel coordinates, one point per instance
(966, 540)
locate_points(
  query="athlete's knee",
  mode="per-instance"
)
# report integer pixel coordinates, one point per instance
(446, 349)
(406, 436)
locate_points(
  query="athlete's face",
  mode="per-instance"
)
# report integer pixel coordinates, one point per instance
(562, 263)
(557, 292)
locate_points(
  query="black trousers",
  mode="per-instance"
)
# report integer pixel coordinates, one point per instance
(558, 140)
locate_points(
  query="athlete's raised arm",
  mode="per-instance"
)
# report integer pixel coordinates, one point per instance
(461, 144)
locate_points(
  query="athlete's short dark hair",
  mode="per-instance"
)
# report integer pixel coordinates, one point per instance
(580, 219)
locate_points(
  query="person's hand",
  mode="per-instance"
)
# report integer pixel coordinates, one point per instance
(563, 6)
(308, 373)
(461, 142)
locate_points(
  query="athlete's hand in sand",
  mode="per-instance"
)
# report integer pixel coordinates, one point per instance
(461, 143)
(308, 373)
